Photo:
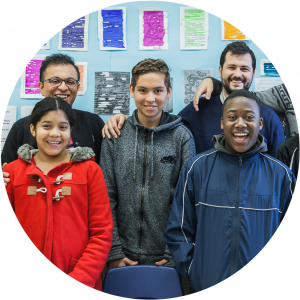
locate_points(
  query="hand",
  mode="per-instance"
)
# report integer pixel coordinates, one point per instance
(122, 262)
(161, 263)
(113, 125)
(205, 87)
(5, 175)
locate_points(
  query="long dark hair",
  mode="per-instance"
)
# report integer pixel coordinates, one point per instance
(50, 104)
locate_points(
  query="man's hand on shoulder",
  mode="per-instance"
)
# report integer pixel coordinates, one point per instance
(205, 87)
(113, 125)
(5, 175)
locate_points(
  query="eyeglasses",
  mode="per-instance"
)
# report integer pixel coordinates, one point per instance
(70, 82)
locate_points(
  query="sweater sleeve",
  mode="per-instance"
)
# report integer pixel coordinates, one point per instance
(13, 141)
(107, 165)
(188, 151)
(289, 193)
(94, 257)
(279, 100)
(180, 232)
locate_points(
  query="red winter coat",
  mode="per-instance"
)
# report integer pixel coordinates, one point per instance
(75, 232)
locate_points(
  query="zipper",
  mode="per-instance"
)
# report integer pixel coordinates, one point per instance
(236, 221)
(142, 196)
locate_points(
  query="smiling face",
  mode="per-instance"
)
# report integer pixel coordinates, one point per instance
(52, 134)
(64, 72)
(236, 73)
(150, 96)
(241, 123)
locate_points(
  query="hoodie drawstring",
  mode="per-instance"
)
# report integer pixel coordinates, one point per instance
(152, 134)
(135, 150)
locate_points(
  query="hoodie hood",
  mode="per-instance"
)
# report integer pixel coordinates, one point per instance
(167, 122)
(260, 146)
(26, 152)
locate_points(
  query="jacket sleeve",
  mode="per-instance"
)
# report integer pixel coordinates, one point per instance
(107, 165)
(94, 257)
(9, 188)
(188, 151)
(279, 100)
(180, 232)
(289, 193)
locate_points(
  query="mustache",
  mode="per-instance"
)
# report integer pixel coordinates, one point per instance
(237, 78)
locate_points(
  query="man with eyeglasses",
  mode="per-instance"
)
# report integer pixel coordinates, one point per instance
(59, 77)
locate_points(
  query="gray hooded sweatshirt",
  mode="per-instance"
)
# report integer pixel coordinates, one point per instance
(141, 169)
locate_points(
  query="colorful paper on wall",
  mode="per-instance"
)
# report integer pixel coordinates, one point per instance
(229, 32)
(267, 68)
(262, 84)
(112, 93)
(82, 66)
(112, 28)
(153, 29)
(193, 28)
(75, 35)
(46, 46)
(191, 80)
(30, 79)
(9, 119)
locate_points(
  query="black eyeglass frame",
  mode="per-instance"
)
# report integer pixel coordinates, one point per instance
(65, 80)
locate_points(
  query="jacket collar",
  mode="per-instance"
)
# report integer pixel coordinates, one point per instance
(26, 152)
(260, 145)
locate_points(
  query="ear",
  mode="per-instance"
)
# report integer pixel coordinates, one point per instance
(32, 130)
(169, 92)
(131, 90)
(222, 123)
(78, 86)
(220, 71)
(261, 123)
(41, 87)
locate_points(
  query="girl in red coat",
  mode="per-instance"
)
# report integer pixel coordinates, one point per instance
(59, 196)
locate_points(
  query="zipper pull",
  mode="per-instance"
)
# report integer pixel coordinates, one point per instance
(240, 160)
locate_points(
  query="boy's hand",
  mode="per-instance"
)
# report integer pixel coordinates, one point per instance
(205, 87)
(161, 263)
(113, 125)
(122, 262)
(5, 176)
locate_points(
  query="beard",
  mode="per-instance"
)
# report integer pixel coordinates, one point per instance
(226, 83)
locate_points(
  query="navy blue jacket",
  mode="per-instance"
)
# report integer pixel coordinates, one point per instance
(226, 207)
(206, 123)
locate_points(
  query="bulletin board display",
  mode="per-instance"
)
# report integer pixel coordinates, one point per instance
(205, 54)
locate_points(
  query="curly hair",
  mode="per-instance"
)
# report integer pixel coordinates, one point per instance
(57, 59)
(150, 65)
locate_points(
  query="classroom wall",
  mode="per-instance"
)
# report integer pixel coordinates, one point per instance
(124, 60)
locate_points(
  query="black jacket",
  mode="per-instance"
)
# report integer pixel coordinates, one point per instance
(288, 153)
(86, 133)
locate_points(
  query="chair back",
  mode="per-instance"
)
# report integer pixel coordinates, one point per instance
(143, 282)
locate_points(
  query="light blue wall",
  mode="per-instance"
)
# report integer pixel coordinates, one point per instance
(125, 60)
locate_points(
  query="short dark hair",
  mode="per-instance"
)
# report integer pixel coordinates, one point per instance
(150, 65)
(237, 48)
(51, 104)
(243, 93)
(57, 59)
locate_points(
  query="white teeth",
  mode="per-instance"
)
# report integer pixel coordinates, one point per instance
(53, 143)
(62, 96)
(240, 134)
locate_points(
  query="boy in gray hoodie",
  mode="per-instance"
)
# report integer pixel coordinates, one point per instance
(141, 168)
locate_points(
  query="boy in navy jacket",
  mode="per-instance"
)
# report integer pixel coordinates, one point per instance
(230, 200)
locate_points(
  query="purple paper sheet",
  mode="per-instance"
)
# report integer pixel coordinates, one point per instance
(73, 34)
(154, 31)
(32, 77)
